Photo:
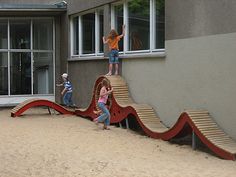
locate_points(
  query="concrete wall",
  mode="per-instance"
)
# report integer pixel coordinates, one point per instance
(75, 6)
(83, 75)
(196, 74)
(191, 18)
(199, 68)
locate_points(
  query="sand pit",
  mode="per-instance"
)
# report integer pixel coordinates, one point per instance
(42, 145)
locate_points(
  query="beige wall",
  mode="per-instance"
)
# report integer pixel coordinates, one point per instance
(197, 73)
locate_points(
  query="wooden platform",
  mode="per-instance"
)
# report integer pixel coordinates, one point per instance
(22, 107)
(197, 122)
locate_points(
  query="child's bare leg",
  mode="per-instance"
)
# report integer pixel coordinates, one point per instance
(95, 120)
(117, 69)
(97, 112)
(104, 126)
(110, 70)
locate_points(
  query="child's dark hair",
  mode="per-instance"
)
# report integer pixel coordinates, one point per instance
(113, 34)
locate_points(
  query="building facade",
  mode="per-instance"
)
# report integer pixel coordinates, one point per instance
(176, 55)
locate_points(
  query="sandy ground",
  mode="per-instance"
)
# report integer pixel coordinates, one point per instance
(42, 145)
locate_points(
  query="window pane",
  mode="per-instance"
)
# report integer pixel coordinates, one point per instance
(43, 34)
(88, 34)
(20, 73)
(160, 24)
(43, 73)
(75, 36)
(101, 31)
(20, 34)
(3, 34)
(139, 24)
(3, 74)
(119, 22)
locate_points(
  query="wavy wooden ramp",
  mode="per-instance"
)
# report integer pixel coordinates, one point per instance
(22, 107)
(196, 122)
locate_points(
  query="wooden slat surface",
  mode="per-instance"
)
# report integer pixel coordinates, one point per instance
(201, 118)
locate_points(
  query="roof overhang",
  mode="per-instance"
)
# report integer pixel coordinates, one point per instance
(28, 8)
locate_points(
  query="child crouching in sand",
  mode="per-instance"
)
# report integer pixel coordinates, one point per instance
(103, 96)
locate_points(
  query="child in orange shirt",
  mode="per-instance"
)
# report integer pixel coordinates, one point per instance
(112, 41)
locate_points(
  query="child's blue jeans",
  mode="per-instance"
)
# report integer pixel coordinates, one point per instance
(67, 99)
(105, 116)
(114, 57)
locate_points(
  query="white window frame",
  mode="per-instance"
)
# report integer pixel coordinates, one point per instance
(97, 53)
(152, 26)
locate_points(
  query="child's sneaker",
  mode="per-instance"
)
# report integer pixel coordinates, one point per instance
(106, 128)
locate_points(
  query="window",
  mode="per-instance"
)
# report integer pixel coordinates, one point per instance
(43, 34)
(20, 67)
(75, 35)
(3, 34)
(144, 32)
(20, 34)
(118, 15)
(3, 58)
(43, 56)
(43, 73)
(145, 25)
(86, 33)
(3, 74)
(101, 31)
(160, 24)
(26, 56)
(139, 23)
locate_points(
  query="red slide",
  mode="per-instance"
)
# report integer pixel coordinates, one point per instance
(22, 107)
(199, 123)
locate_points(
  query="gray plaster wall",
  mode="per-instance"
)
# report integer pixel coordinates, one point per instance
(199, 68)
(83, 75)
(192, 18)
(197, 73)
(75, 6)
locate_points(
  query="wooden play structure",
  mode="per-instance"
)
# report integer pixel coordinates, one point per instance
(198, 123)
(22, 107)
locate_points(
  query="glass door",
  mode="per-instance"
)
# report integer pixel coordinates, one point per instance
(3, 58)
(43, 56)
(3, 74)
(20, 68)
(26, 57)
